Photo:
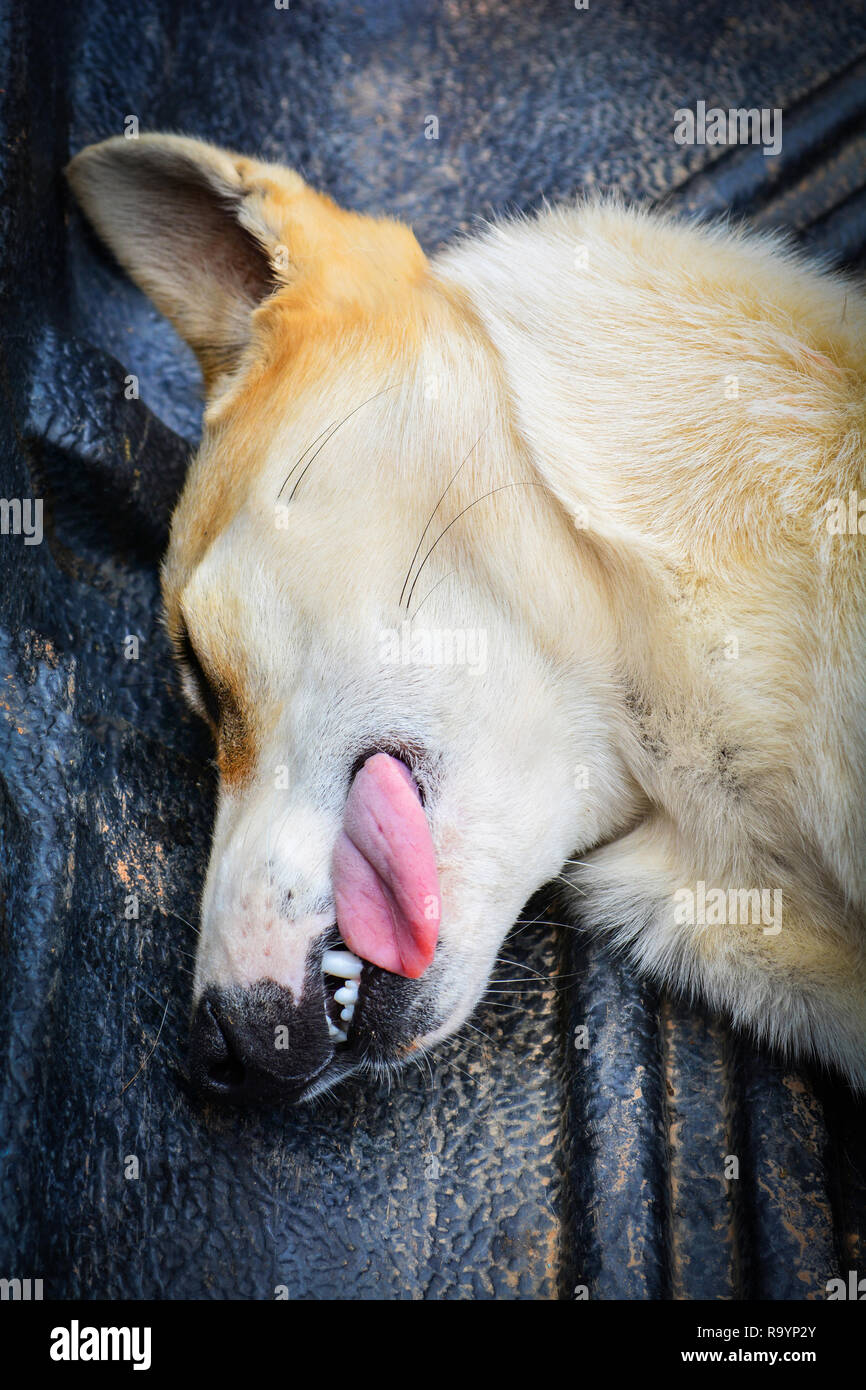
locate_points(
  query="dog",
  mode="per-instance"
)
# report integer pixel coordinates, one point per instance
(538, 557)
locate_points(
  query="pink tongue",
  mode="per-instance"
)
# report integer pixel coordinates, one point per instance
(385, 883)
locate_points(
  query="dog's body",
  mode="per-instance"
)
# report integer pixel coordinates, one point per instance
(622, 451)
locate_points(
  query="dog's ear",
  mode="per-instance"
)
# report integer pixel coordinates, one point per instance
(201, 230)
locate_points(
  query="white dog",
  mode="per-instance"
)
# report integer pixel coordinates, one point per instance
(547, 549)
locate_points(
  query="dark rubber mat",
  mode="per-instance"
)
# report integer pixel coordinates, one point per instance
(522, 1167)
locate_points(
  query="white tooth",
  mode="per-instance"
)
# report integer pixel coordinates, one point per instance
(342, 963)
(348, 994)
(348, 1013)
(336, 1032)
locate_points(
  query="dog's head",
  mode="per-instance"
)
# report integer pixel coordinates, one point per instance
(372, 599)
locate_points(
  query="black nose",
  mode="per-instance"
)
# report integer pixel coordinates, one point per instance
(258, 1045)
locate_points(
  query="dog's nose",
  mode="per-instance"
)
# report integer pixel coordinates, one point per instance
(257, 1045)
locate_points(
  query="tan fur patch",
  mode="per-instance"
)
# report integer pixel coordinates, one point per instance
(236, 749)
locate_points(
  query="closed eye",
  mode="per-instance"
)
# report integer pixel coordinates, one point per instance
(204, 689)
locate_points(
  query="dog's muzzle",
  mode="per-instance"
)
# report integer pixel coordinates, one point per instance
(258, 1045)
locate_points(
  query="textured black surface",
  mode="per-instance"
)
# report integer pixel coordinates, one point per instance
(523, 1166)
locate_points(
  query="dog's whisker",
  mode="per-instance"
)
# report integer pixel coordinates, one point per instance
(430, 591)
(301, 459)
(172, 913)
(336, 427)
(531, 922)
(476, 1029)
(449, 1062)
(432, 515)
(542, 976)
(526, 482)
(511, 990)
(151, 1052)
(521, 965)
